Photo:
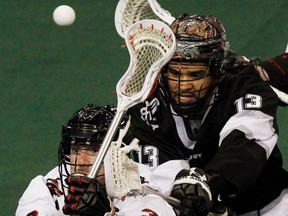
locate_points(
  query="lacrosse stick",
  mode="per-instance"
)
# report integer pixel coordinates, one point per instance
(281, 95)
(151, 45)
(129, 12)
(122, 175)
(121, 172)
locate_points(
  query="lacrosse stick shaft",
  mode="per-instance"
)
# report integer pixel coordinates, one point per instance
(106, 144)
(281, 95)
(149, 40)
(172, 201)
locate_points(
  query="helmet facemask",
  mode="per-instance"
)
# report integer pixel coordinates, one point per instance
(77, 165)
(189, 87)
(199, 39)
(82, 137)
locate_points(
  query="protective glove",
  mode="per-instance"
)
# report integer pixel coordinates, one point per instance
(219, 209)
(85, 197)
(191, 188)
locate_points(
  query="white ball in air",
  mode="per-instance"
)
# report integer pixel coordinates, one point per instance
(64, 15)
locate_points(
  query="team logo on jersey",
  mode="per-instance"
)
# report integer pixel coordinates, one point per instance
(54, 189)
(147, 113)
(148, 212)
(33, 213)
(195, 156)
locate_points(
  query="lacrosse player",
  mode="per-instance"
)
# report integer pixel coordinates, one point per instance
(274, 71)
(224, 123)
(66, 190)
(81, 138)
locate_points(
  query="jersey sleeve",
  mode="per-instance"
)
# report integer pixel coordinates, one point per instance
(249, 137)
(37, 200)
(277, 69)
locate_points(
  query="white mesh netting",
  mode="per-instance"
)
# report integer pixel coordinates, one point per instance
(121, 173)
(149, 45)
(129, 12)
(124, 171)
(136, 10)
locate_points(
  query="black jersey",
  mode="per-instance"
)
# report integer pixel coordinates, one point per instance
(237, 138)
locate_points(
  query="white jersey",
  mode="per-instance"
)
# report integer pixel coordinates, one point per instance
(38, 199)
(160, 178)
(150, 205)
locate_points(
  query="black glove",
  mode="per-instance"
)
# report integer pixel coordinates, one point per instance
(191, 188)
(219, 209)
(85, 197)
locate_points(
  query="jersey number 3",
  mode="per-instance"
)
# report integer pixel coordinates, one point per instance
(151, 152)
(250, 101)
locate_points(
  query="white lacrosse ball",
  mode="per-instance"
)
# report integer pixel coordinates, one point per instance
(64, 15)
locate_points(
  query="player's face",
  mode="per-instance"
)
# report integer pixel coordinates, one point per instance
(188, 81)
(82, 159)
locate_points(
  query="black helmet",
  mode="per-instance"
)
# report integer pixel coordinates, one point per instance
(86, 128)
(198, 39)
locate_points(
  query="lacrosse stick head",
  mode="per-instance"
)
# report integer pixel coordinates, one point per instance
(121, 173)
(163, 14)
(129, 12)
(151, 44)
